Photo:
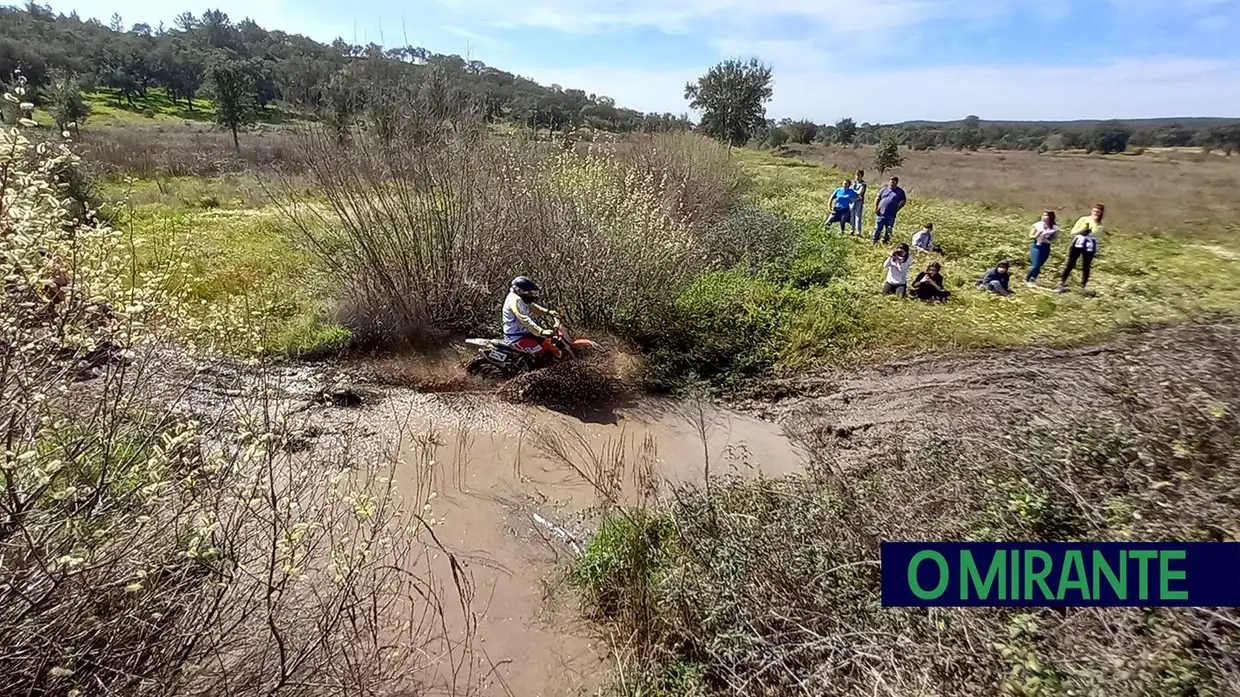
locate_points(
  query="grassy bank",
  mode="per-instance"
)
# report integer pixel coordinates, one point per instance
(726, 322)
(772, 587)
(236, 257)
(1139, 276)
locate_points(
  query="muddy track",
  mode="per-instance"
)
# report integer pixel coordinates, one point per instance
(514, 490)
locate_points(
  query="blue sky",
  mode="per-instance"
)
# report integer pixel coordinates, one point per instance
(873, 60)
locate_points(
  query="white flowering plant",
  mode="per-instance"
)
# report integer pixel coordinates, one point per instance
(144, 551)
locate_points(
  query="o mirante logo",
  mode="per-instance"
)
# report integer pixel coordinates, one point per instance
(986, 574)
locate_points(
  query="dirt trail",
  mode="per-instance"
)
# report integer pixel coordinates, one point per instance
(511, 491)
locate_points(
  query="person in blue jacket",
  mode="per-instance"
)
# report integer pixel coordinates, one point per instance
(842, 206)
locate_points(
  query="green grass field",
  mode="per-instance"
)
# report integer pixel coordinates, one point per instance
(828, 309)
(1138, 277)
(108, 108)
(238, 254)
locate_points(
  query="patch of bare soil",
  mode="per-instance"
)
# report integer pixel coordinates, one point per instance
(945, 394)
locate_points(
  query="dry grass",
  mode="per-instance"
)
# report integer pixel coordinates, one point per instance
(771, 587)
(183, 150)
(1172, 193)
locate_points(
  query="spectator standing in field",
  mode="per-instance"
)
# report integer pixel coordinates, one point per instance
(859, 186)
(929, 285)
(923, 239)
(890, 200)
(1042, 234)
(996, 279)
(1084, 246)
(897, 272)
(841, 206)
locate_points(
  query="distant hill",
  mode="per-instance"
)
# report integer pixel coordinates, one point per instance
(972, 133)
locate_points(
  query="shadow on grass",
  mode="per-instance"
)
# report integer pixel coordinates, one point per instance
(158, 103)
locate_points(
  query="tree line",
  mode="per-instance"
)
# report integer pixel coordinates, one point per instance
(251, 68)
(732, 95)
(975, 134)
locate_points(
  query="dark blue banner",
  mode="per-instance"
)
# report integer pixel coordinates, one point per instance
(1061, 574)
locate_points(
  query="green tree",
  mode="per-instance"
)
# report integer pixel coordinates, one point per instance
(232, 87)
(969, 135)
(776, 137)
(887, 155)
(845, 131)
(731, 98)
(1109, 137)
(802, 132)
(65, 102)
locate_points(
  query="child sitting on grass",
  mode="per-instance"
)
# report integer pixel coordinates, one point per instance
(996, 279)
(929, 285)
(923, 241)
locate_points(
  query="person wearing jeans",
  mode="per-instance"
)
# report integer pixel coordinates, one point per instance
(897, 272)
(1084, 247)
(841, 206)
(858, 204)
(1043, 233)
(890, 200)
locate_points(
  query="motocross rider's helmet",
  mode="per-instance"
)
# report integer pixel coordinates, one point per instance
(524, 287)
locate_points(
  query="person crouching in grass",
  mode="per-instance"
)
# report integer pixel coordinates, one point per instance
(996, 279)
(929, 285)
(897, 272)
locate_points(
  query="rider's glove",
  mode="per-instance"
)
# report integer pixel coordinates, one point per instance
(547, 333)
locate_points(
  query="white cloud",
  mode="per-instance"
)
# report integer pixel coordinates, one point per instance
(1146, 87)
(678, 15)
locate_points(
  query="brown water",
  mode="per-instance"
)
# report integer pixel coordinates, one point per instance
(505, 485)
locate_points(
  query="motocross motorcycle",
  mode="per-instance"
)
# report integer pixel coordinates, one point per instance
(495, 358)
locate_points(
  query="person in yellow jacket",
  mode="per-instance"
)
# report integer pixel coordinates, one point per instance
(521, 316)
(1086, 233)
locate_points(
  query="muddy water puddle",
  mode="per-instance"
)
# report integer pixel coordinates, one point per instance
(512, 492)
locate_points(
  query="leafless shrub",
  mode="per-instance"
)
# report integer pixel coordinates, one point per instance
(145, 551)
(425, 223)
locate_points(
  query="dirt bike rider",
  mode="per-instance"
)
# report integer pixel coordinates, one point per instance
(521, 330)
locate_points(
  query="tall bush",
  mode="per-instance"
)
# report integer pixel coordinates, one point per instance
(424, 233)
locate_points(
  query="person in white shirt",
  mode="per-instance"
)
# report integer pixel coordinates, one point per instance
(858, 204)
(1043, 232)
(897, 272)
